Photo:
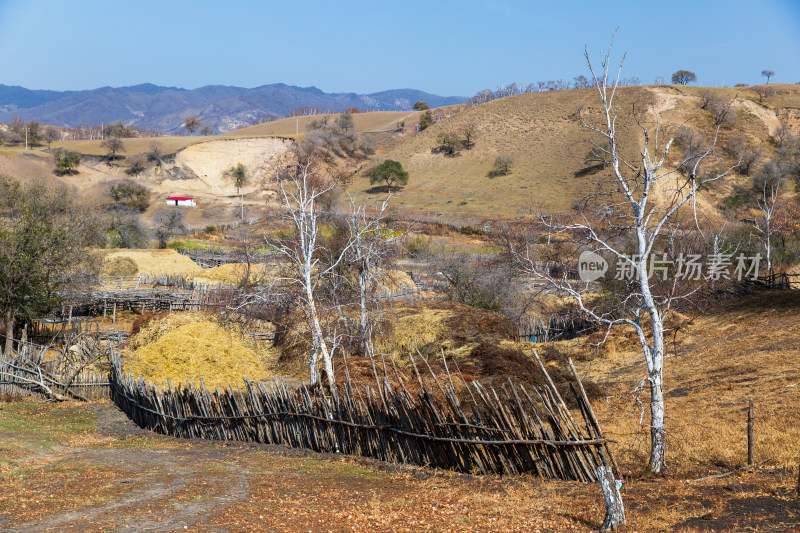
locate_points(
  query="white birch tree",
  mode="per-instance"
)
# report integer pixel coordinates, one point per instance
(371, 249)
(634, 217)
(301, 189)
(768, 205)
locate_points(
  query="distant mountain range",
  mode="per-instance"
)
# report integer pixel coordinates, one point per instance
(222, 108)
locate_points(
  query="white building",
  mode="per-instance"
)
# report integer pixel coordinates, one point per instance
(181, 201)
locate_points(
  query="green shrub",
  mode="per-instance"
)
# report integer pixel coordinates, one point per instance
(469, 230)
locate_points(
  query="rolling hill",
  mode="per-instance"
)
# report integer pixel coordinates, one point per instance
(223, 108)
(543, 133)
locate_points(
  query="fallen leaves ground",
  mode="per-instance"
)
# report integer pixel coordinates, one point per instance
(85, 467)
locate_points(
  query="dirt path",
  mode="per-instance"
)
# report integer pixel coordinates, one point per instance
(192, 481)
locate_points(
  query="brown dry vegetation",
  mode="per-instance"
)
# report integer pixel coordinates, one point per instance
(543, 133)
(364, 122)
(747, 349)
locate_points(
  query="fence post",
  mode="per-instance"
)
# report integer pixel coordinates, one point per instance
(615, 510)
(750, 443)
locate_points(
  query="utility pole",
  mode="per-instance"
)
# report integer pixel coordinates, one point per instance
(297, 127)
(26, 137)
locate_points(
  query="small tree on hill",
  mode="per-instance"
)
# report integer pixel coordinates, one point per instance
(237, 175)
(117, 129)
(130, 194)
(136, 165)
(206, 131)
(34, 133)
(469, 132)
(448, 143)
(425, 120)
(192, 123)
(683, 77)
(767, 74)
(51, 135)
(114, 146)
(764, 92)
(155, 153)
(502, 166)
(67, 162)
(390, 172)
(420, 106)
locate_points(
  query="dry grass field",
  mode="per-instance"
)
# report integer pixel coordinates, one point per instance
(169, 144)
(374, 121)
(749, 348)
(542, 132)
(364, 122)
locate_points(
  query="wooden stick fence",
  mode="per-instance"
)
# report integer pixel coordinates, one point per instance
(511, 431)
(26, 373)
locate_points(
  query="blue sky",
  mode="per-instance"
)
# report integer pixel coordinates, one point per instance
(444, 47)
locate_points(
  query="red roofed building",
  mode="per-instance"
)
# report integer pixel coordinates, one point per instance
(181, 201)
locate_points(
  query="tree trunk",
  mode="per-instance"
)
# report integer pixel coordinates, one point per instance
(615, 510)
(9, 320)
(657, 441)
(654, 356)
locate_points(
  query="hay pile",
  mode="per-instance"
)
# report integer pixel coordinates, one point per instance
(125, 262)
(395, 282)
(189, 346)
(231, 274)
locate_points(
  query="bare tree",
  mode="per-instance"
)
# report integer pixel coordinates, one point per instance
(768, 206)
(580, 82)
(301, 191)
(764, 92)
(155, 153)
(469, 132)
(371, 249)
(169, 224)
(746, 152)
(767, 74)
(631, 212)
(192, 123)
(51, 135)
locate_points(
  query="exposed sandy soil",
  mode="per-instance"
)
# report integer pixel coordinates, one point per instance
(209, 160)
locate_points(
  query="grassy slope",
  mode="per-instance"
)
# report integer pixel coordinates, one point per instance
(365, 122)
(169, 145)
(748, 348)
(287, 127)
(543, 133)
